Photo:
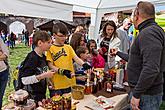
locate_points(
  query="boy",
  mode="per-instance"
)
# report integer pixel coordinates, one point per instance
(34, 71)
(60, 58)
(82, 53)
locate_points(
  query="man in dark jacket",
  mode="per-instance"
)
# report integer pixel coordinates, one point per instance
(146, 60)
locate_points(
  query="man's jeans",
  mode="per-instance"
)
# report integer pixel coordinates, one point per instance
(3, 83)
(149, 102)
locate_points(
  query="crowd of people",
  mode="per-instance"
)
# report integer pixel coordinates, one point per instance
(8, 38)
(55, 60)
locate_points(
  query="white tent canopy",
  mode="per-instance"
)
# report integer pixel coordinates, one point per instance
(62, 9)
(98, 8)
(38, 8)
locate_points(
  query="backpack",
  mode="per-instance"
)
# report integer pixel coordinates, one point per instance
(19, 84)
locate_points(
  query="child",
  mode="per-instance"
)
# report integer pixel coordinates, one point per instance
(82, 53)
(97, 61)
(60, 58)
(35, 67)
(77, 40)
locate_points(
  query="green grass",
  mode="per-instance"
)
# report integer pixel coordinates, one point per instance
(16, 56)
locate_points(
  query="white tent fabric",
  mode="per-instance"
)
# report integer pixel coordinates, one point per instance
(62, 9)
(98, 8)
(38, 8)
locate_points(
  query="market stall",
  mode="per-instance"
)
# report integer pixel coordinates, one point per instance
(108, 101)
(99, 93)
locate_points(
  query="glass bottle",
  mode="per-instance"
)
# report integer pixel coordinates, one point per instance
(88, 85)
(57, 102)
(109, 85)
(67, 101)
(95, 85)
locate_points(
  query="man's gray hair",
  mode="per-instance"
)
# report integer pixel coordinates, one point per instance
(146, 9)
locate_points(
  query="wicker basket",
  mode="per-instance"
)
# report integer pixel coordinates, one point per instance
(78, 92)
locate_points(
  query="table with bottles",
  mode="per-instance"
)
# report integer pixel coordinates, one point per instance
(101, 88)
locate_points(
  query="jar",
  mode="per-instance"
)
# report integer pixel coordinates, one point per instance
(57, 102)
(77, 92)
(19, 97)
(67, 102)
(47, 104)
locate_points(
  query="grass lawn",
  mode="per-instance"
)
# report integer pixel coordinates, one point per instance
(16, 56)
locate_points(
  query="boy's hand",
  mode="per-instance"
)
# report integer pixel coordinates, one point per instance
(67, 73)
(72, 75)
(48, 74)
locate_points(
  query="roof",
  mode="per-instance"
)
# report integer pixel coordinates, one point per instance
(49, 25)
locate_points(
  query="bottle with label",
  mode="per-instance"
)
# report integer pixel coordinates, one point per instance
(99, 81)
(109, 85)
(102, 82)
(99, 84)
(94, 85)
(88, 85)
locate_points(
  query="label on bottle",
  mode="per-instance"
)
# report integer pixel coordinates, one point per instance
(100, 80)
(109, 87)
(87, 82)
(95, 81)
(97, 73)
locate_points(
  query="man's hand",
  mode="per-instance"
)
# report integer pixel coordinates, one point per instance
(113, 51)
(135, 103)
